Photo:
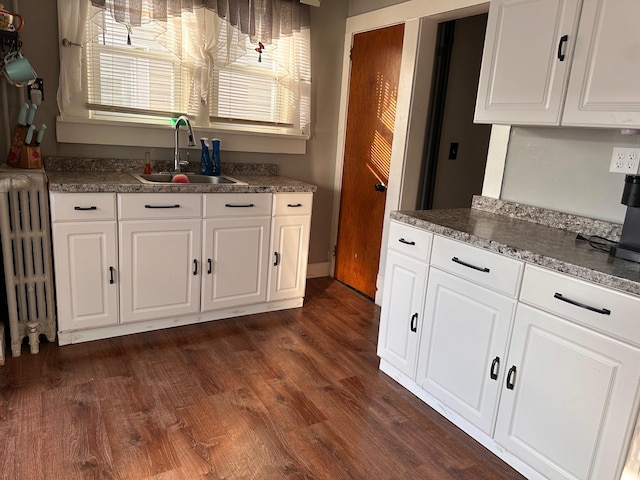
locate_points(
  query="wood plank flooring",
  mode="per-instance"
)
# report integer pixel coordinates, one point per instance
(285, 395)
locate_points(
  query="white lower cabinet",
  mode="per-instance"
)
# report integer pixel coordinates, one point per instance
(540, 367)
(133, 262)
(289, 245)
(159, 268)
(405, 280)
(463, 347)
(85, 250)
(569, 400)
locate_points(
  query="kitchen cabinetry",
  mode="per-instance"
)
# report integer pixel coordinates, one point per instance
(289, 245)
(85, 254)
(159, 255)
(560, 62)
(539, 367)
(134, 262)
(236, 249)
(404, 289)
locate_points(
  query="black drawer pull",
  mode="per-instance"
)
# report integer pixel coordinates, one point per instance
(210, 266)
(195, 267)
(495, 368)
(162, 206)
(294, 205)
(111, 280)
(563, 41)
(480, 269)
(406, 242)
(239, 205)
(511, 378)
(85, 208)
(414, 322)
(277, 262)
(601, 311)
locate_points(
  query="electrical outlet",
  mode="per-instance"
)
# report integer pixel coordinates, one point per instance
(625, 160)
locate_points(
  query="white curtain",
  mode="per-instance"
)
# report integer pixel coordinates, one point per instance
(72, 21)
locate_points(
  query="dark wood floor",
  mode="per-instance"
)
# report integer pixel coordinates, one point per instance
(293, 394)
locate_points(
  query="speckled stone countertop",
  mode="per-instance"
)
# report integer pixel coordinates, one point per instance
(495, 225)
(75, 175)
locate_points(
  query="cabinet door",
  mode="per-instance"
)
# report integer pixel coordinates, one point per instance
(401, 315)
(463, 346)
(85, 257)
(569, 403)
(605, 74)
(289, 248)
(236, 252)
(525, 64)
(160, 268)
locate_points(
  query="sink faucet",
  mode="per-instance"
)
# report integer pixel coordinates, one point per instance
(176, 155)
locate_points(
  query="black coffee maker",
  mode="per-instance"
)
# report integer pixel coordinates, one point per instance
(629, 246)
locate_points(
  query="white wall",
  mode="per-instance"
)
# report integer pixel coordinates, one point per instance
(566, 169)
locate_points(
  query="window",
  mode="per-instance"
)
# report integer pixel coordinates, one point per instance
(196, 64)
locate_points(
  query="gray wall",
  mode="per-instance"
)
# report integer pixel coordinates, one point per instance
(317, 166)
(566, 169)
(356, 7)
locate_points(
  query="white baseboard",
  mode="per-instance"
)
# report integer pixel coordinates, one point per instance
(1, 343)
(317, 270)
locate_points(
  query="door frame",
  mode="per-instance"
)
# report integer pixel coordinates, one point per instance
(421, 20)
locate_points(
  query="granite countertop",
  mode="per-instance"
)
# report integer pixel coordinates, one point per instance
(108, 175)
(544, 238)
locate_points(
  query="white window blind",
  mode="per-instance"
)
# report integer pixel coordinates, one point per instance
(193, 62)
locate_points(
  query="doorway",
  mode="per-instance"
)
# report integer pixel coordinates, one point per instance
(455, 152)
(373, 89)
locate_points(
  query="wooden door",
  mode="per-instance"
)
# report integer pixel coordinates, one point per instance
(375, 73)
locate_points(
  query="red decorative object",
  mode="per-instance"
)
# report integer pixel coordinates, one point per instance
(260, 49)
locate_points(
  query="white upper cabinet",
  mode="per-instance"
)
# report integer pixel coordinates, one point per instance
(526, 61)
(561, 62)
(604, 87)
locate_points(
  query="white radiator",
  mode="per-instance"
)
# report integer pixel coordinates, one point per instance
(25, 233)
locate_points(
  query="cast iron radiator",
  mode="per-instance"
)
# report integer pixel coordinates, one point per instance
(25, 233)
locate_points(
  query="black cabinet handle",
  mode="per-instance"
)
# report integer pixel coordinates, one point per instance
(294, 205)
(162, 206)
(277, 262)
(414, 322)
(563, 41)
(511, 378)
(195, 267)
(480, 269)
(601, 311)
(85, 208)
(239, 205)
(495, 368)
(406, 242)
(111, 269)
(209, 266)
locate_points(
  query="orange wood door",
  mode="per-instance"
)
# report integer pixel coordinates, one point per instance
(373, 90)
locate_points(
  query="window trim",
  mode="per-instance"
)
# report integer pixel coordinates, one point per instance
(235, 138)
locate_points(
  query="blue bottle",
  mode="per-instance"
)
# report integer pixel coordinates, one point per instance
(206, 166)
(217, 167)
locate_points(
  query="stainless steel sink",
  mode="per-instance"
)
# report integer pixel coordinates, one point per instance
(193, 178)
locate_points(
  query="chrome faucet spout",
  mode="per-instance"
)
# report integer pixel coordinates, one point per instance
(192, 143)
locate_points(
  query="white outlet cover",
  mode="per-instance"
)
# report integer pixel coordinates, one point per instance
(625, 160)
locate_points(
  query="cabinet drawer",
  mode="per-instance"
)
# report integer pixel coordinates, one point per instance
(292, 204)
(159, 205)
(75, 207)
(411, 241)
(480, 266)
(237, 204)
(608, 311)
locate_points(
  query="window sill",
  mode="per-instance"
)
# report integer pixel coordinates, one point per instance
(131, 134)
